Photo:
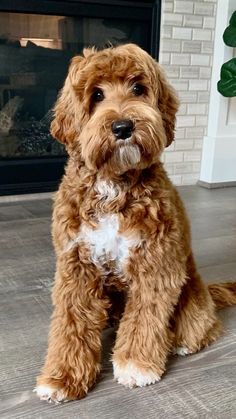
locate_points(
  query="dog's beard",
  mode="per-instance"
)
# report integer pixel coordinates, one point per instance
(100, 149)
(126, 156)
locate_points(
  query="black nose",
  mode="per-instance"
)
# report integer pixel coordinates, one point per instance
(122, 128)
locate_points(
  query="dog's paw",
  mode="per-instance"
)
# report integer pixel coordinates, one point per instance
(50, 394)
(131, 376)
(181, 350)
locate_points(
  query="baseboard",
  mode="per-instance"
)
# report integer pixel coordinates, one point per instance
(216, 184)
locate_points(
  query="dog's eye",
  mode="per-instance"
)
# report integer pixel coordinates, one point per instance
(138, 89)
(97, 95)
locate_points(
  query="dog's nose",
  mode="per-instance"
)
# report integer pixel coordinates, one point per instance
(122, 128)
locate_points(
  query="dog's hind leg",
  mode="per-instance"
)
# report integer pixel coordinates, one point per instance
(194, 323)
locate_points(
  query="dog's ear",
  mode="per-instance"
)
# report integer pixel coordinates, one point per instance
(167, 103)
(64, 125)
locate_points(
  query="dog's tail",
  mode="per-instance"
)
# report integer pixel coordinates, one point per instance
(223, 294)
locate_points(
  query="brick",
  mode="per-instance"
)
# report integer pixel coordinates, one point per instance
(186, 121)
(196, 167)
(200, 59)
(182, 109)
(175, 156)
(193, 21)
(172, 19)
(180, 168)
(170, 45)
(168, 6)
(193, 155)
(171, 71)
(176, 179)
(209, 22)
(190, 179)
(179, 133)
(183, 33)
(191, 46)
(201, 121)
(188, 97)
(203, 8)
(198, 85)
(164, 58)
(169, 168)
(184, 145)
(202, 34)
(180, 59)
(203, 97)
(196, 109)
(207, 47)
(194, 132)
(180, 85)
(205, 73)
(167, 32)
(198, 144)
(183, 6)
(189, 72)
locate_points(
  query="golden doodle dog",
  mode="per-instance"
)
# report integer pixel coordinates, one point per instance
(120, 231)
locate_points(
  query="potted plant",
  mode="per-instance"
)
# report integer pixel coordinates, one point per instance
(227, 83)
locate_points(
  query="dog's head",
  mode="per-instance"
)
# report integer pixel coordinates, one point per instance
(116, 109)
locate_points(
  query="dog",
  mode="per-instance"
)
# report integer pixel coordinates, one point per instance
(120, 231)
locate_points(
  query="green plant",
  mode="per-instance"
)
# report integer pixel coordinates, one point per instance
(227, 83)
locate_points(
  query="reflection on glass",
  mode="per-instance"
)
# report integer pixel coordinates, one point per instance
(34, 54)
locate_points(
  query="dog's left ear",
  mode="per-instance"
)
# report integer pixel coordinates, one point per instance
(64, 125)
(167, 103)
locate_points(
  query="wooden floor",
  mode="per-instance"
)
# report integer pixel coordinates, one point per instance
(198, 386)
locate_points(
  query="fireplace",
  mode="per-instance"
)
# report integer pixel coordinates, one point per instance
(37, 41)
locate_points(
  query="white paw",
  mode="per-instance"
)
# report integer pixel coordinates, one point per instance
(130, 376)
(181, 350)
(49, 394)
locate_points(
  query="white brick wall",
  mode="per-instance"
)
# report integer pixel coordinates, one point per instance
(186, 51)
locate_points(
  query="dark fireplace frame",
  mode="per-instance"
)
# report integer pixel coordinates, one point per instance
(42, 174)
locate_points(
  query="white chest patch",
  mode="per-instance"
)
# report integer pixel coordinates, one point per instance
(106, 243)
(106, 189)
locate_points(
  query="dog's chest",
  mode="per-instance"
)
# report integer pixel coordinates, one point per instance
(110, 244)
(107, 244)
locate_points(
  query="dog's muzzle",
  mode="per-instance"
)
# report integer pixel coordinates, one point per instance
(122, 128)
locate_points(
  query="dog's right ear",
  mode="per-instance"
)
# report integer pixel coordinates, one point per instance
(168, 104)
(64, 126)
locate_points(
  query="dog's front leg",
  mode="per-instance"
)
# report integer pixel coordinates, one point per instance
(144, 338)
(80, 313)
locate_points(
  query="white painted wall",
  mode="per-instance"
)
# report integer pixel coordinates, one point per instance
(219, 146)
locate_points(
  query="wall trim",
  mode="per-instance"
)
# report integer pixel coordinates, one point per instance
(216, 185)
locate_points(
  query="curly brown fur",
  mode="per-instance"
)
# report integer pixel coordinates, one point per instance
(119, 225)
(223, 294)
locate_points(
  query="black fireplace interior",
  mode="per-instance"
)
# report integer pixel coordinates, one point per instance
(37, 41)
